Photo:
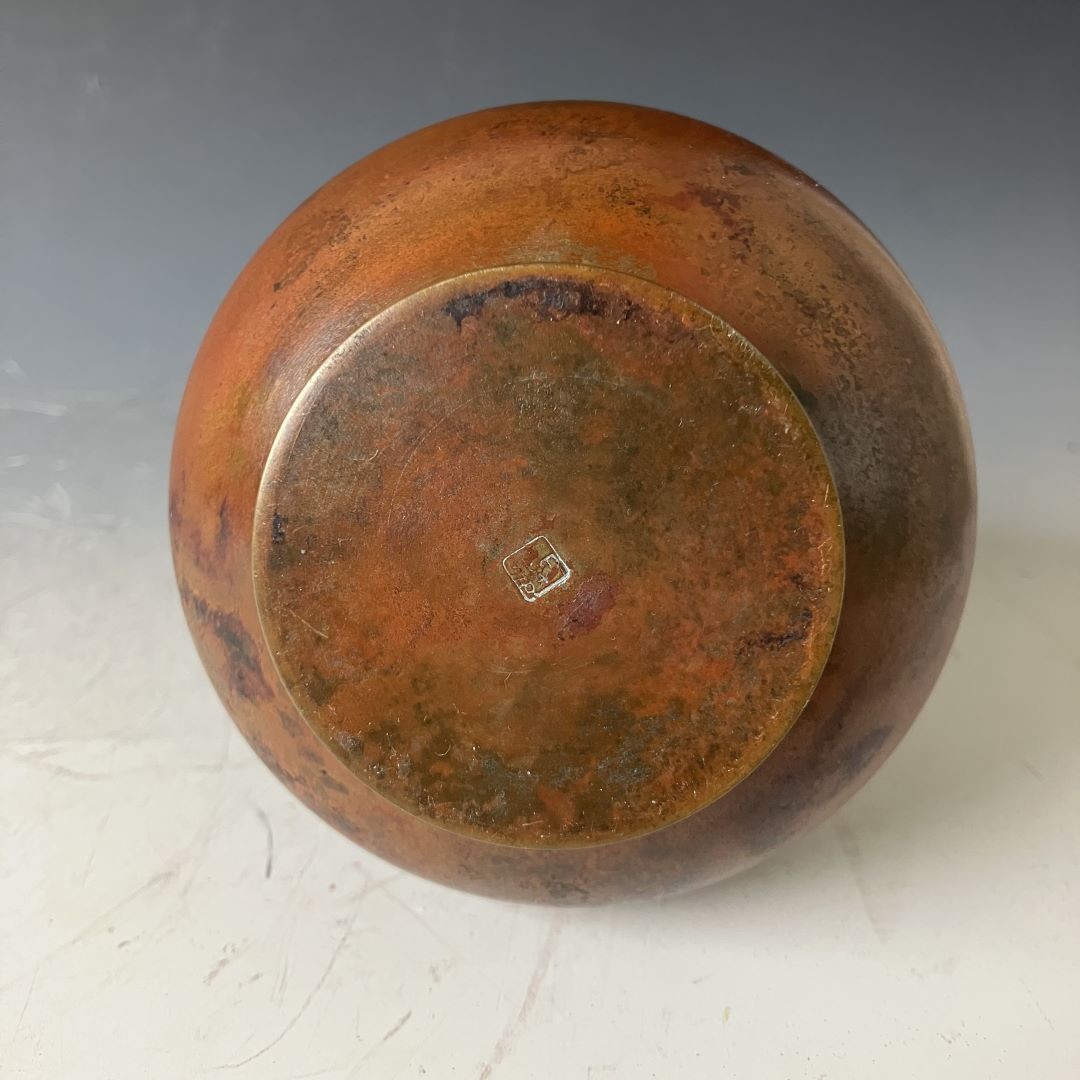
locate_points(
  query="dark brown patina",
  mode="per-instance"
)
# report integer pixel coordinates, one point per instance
(394, 378)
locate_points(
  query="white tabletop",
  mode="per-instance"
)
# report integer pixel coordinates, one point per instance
(169, 910)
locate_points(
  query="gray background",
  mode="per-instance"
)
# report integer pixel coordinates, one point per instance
(145, 151)
(148, 148)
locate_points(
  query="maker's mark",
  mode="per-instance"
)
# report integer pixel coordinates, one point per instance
(536, 568)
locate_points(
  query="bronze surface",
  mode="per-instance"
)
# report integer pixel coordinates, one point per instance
(719, 224)
(548, 555)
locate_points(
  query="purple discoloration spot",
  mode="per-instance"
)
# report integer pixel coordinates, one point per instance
(594, 599)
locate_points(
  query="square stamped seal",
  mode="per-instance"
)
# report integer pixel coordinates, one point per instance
(536, 568)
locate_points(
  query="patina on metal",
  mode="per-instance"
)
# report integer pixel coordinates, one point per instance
(572, 501)
(548, 555)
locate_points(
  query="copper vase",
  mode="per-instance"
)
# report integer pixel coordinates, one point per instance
(572, 501)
